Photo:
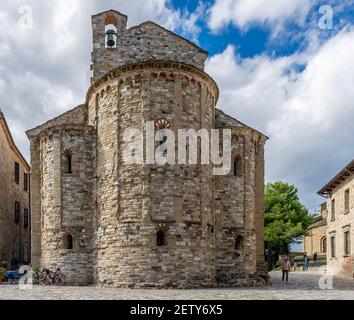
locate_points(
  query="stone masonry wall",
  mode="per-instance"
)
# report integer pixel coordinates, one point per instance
(236, 234)
(66, 201)
(135, 201)
(312, 242)
(259, 202)
(145, 42)
(11, 192)
(116, 211)
(341, 263)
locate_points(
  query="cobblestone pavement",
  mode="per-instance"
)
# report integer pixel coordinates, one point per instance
(302, 286)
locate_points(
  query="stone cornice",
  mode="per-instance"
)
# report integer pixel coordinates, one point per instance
(247, 131)
(153, 65)
(11, 141)
(32, 133)
(338, 180)
(225, 121)
(61, 127)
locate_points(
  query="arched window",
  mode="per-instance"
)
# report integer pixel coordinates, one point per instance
(324, 245)
(234, 141)
(111, 32)
(237, 167)
(68, 161)
(239, 243)
(68, 241)
(160, 126)
(161, 238)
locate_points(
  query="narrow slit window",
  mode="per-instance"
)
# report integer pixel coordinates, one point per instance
(68, 162)
(333, 247)
(346, 201)
(237, 168)
(25, 218)
(17, 172)
(68, 242)
(239, 243)
(17, 212)
(347, 243)
(161, 238)
(25, 182)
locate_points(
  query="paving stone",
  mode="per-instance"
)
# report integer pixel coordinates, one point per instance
(302, 286)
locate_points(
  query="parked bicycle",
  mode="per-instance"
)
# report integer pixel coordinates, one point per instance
(47, 277)
(58, 278)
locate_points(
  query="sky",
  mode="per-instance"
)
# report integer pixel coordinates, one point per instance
(283, 67)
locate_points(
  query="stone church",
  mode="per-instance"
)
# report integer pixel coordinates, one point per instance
(109, 223)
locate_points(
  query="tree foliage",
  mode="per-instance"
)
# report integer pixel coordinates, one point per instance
(286, 219)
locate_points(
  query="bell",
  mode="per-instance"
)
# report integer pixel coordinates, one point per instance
(110, 38)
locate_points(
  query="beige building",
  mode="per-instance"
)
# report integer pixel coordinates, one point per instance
(14, 200)
(112, 223)
(339, 192)
(316, 239)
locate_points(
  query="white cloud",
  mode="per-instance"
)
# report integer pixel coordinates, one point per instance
(308, 115)
(242, 13)
(44, 71)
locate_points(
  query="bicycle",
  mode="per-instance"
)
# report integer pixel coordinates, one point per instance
(58, 278)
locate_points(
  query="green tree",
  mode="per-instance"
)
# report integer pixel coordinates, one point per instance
(286, 219)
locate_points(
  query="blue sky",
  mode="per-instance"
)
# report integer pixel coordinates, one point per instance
(250, 43)
(277, 71)
(257, 37)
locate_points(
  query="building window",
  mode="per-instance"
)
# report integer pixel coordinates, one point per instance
(346, 201)
(333, 209)
(239, 243)
(161, 126)
(161, 238)
(25, 252)
(25, 218)
(324, 245)
(25, 182)
(333, 247)
(68, 241)
(17, 172)
(346, 242)
(237, 167)
(17, 212)
(163, 140)
(17, 250)
(68, 161)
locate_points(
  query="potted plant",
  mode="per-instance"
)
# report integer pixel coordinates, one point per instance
(3, 271)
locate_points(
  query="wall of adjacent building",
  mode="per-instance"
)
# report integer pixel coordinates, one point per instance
(11, 192)
(313, 241)
(344, 221)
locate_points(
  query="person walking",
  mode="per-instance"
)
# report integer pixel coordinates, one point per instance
(285, 268)
(315, 257)
(306, 262)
